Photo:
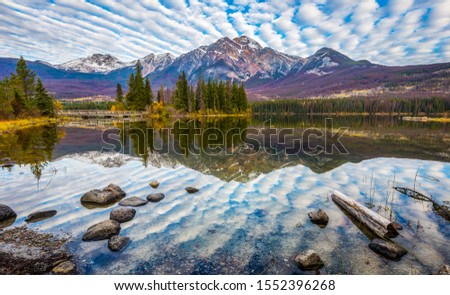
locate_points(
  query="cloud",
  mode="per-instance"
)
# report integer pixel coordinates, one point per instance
(399, 33)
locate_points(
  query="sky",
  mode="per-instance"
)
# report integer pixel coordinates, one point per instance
(400, 32)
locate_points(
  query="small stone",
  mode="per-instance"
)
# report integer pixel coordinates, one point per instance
(309, 260)
(133, 202)
(102, 231)
(117, 243)
(154, 184)
(122, 214)
(387, 249)
(155, 197)
(6, 213)
(191, 190)
(41, 215)
(444, 270)
(320, 218)
(65, 268)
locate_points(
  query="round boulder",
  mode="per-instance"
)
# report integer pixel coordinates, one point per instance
(6, 213)
(133, 202)
(309, 260)
(320, 218)
(117, 243)
(154, 184)
(102, 231)
(155, 197)
(122, 214)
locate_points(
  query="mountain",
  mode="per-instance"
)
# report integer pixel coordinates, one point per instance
(266, 72)
(239, 59)
(96, 63)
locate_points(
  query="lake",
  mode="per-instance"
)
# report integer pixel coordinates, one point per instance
(257, 178)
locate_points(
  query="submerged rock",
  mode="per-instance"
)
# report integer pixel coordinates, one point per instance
(320, 218)
(155, 197)
(65, 268)
(154, 184)
(117, 243)
(309, 260)
(133, 202)
(102, 231)
(387, 249)
(8, 165)
(122, 214)
(109, 195)
(24, 251)
(444, 270)
(41, 215)
(191, 190)
(6, 213)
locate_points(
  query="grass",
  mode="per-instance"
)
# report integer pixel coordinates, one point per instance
(17, 124)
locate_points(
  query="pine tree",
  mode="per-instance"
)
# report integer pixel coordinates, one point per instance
(181, 93)
(191, 99)
(119, 93)
(160, 94)
(131, 94)
(200, 95)
(25, 78)
(148, 93)
(18, 104)
(43, 101)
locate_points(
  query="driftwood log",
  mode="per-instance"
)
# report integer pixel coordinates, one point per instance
(381, 226)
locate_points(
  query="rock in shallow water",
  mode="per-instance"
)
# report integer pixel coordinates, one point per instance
(117, 243)
(387, 249)
(41, 215)
(191, 190)
(109, 195)
(6, 213)
(65, 268)
(122, 214)
(309, 260)
(133, 202)
(102, 231)
(154, 184)
(320, 218)
(155, 197)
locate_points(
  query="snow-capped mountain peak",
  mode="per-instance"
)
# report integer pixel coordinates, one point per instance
(155, 62)
(96, 63)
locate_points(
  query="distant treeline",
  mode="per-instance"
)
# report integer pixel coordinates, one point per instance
(211, 96)
(87, 105)
(370, 105)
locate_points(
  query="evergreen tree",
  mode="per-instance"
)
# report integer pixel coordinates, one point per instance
(18, 104)
(43, 101)
(131, 94)
(148, 93)
(119, 93)
(191, 99)
(200, 95)
(138, 96)
(25, 77)
(160, 94)
(181, 93)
